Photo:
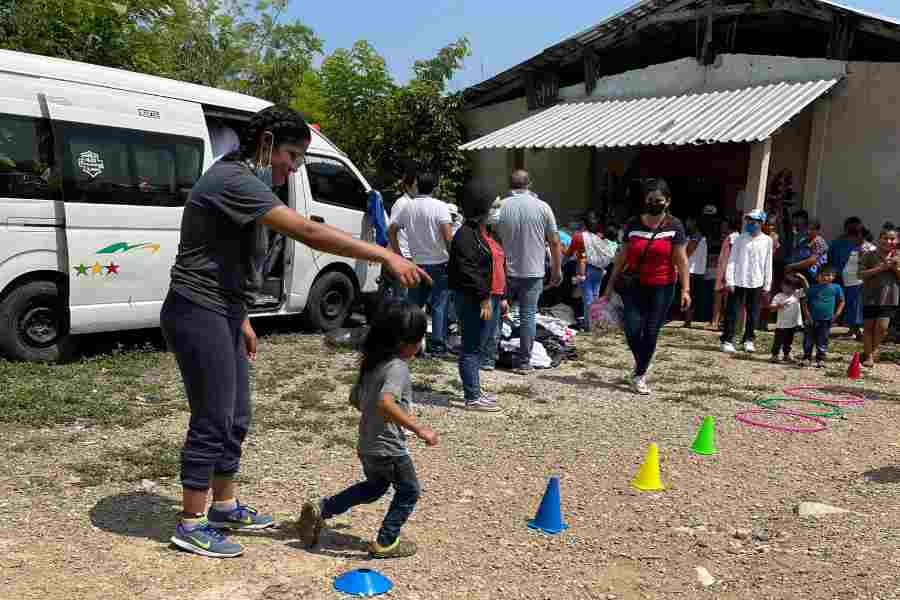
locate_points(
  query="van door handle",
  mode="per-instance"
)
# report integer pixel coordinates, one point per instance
(317, 218)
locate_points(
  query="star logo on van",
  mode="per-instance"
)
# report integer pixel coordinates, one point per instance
(112, 268)
(80, 269)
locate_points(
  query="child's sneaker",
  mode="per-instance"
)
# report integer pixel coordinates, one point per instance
(805, 363)
(640, 386)
(749, 347)
(820, 364)
(309, 527)
(728, 348)
(242, 517)
(788, 358)
(396, 550)
(205, 540)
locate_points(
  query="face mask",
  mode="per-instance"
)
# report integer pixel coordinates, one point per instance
(264, 174)
(656, 208)
(752, 228)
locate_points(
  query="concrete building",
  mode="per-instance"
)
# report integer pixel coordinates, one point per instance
(780, 104)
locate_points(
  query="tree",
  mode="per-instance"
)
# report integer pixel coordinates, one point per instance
(426, 123)
(357, 88)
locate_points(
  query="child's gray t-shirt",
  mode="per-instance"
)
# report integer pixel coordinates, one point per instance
(376, 436)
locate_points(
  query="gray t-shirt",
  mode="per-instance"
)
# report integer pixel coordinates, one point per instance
(376, 436)
(524, 225)
(222, 246)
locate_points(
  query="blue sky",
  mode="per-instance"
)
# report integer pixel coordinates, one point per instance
(503, 32)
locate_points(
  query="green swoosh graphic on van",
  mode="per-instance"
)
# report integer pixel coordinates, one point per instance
(126, 247)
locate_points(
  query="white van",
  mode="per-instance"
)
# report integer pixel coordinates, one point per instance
(95, 168)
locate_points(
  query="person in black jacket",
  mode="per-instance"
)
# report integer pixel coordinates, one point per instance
(478, 279)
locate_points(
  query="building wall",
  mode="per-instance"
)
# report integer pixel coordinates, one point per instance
(563, 179)
(790, 150)
(860, 169)
(491, 168)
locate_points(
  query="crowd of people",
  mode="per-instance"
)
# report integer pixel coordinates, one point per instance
(469, 268)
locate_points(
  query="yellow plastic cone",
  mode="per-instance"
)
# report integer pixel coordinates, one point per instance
(648, 478)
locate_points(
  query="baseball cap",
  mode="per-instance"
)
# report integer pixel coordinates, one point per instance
(757, 215)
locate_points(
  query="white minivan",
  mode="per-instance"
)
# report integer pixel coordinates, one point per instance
(95, 167)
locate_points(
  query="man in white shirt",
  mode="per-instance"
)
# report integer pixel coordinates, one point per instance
(429, 230)
(410, 189)
(748, 276)
(526, 225)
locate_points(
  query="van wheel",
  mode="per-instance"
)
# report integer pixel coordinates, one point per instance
(33, 324)
(329, 303)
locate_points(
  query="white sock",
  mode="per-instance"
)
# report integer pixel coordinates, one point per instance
(225, 505)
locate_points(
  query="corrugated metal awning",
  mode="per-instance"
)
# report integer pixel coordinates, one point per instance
(749, 114)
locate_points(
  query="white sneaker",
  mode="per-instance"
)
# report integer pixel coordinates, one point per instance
(749, 347)
(641, 387)
(728, 348)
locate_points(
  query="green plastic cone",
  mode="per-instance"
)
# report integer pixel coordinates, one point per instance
(705, 443)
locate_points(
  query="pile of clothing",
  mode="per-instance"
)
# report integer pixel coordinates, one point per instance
(553, 341)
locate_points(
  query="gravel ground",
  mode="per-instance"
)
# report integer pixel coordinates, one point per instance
(79, 525)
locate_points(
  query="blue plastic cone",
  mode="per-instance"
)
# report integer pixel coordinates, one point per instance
(549, 514)
(363, 582)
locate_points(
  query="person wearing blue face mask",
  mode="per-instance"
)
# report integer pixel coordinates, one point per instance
(748, 277)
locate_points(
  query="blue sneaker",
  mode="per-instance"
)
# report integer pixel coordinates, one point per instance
(242, 517)
(205, 541)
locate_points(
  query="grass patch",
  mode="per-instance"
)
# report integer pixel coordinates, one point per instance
(523, 390)
(110, 389)
(427, 366)
(152, 460)
(307, 400)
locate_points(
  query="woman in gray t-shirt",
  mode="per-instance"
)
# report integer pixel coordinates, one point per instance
(880, 272)
(204, 318)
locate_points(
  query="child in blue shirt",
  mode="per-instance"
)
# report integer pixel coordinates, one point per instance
(823, 306)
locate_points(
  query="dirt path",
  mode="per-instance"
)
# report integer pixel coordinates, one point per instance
(79, 524)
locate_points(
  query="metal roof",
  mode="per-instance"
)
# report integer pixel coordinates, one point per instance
(748, 114)
(613, 26)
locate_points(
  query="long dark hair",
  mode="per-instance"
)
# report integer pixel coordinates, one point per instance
(286, 124)
(397, 323)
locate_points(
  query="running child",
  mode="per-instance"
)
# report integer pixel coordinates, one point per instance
(790, 317)
(824, 305)
(383, 394)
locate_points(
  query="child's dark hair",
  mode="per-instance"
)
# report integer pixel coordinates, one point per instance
(827, 270)
(793, 282)
(397, 323)
(428, 181)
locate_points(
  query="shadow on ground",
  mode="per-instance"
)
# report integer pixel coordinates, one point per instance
(589, 380)
(137, 514)
(334, 544)
(883, 475)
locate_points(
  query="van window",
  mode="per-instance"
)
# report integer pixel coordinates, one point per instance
(26, 158)
(108, 165)
(332, 182)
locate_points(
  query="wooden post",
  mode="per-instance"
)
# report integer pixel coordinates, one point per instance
(818, 138)
(758, 175)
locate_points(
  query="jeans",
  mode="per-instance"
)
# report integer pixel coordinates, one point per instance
(646, 307)
(853, 314)
(750, 299)
(490, 334)
(816, 333)
(526, 291)
(590, 289)
(381, 472)
(211, 355)
(784, 340)
(473, 326)
(439, 294)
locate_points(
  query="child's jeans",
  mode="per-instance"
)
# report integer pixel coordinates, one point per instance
(784, 340)
(816, 333)
(381, 472)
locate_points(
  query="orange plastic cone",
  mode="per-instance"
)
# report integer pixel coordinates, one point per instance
(854, 372)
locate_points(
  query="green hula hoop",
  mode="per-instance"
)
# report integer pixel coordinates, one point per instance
(771, 403)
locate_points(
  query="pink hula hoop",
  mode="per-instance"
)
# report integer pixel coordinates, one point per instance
(838, 399)
(744, 417)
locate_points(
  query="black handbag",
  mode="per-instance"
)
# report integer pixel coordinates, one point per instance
(628, 278)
